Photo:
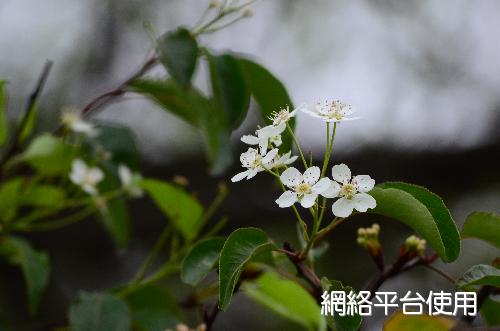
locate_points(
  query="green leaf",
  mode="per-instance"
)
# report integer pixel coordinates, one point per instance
(178, 52)
(489, 311)
(287, 299)
(229, 87)
(29, 124)
(421, 210)
(4, 124)
(240, 247)
(153, 309)
(120, 141)
(99, 312)
(9, 199)
(49, 155)
(481, 274)
(484, 226)
(200, 260)
(35, 267)
(400, 322)
(336, 322)
(42, 195)
(184, 211)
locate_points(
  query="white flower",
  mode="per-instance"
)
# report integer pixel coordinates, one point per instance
(283, 116)
(129, 181)
(85, 177)
(330, 111)
(73, 120)
(254, 162)
(304, 188)
(352, 192)
(282, 160)
(267, 135)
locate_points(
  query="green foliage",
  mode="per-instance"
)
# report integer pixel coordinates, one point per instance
(423, 211)
(120, 141)
(29, 123)
(9, 199)
(179, 53)
(49, 155)
(4, 124)
(99, 312)
(286, 298)
(489, 311)
(200, 260)
(484, 226)
(42, 195)
(184, 211)
(35, 267)
(336, 322)
(400, 322)
(481, 274)
(240, 247)
(230, 91)
(153, 309)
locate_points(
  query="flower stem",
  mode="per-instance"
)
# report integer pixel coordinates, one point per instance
(294, 139)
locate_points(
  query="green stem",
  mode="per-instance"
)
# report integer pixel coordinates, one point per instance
(294, 139)
(53, 225)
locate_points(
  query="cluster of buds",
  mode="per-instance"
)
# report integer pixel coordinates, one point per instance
(414, 246)
(368, 239)
(184, 327)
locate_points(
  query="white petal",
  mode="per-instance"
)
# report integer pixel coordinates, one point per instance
(263, 146)
(310, 109)
(291, 160)
(308, 200)
(363, 202)
(78, 171)
(364, 183)
(342, 207)
(125, 175)
(240, 176)
(95, 175)
(252, 173)
(321, 186)
(287, 199)
(341, 173)
(332, 191)
(270, 156)
(311, 175)
(90, 189)
(291, 177)
(250, 140)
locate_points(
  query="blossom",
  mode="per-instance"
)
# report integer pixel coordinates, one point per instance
(282, 116)
(265, 136)
(130, 181)
(351, 191)
(304, 188)
(85, 177)
(254, 162)
(73, 120)
(330, 111)
(282, 160)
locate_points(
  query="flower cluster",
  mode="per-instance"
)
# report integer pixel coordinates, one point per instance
(72, 120)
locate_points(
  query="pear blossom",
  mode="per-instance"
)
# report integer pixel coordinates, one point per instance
(254, 162)
(268, 135)
(73, 120)
(304, 188)
(130, 181)
(282, 116)
(330, 111)
(86, 177)
(352, 191)
(283, 160)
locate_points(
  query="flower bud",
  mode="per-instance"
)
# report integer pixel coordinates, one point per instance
(416, 245)
(368, 238)
(214, 4)
(248, 12)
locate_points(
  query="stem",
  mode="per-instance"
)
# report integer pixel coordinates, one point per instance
(294, 139)
(63, 222)
(327, 230)
(440, 272)
(152, 255)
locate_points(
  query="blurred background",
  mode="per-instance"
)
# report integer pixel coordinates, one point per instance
(424, 76)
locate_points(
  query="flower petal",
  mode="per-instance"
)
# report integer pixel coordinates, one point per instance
(341, 173)
(310, 109)
(291, 177)
(291, 160)
(308, 200)
(252, 173)
(343, 207)
(250, 140)
(332, 191)
(321, 186)
(240, 176)
(364, 183)
(95, 175)
(311, 175)
(270, 156)
(363, 202)
(125, 175)
(287, 199)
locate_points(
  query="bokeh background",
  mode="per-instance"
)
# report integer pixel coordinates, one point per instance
(424, 76)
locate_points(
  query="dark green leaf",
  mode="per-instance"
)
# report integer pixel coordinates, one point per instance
(484, 226)
(337, 322)
(179, 53)
(489, 311)
(416, 207)
(229, 87)
(49, 155)
(9, 198)
(240, 247)
(120, 141)
(4, 124)
(481, 274)
(35, 267)
(42, 196)
(184, 211)
(99, 312)
(286, 298)
(29, 124)
(153, 309)
(400, 322)
(200, 260)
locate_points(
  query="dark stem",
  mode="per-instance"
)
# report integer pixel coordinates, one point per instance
(209, 317)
